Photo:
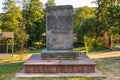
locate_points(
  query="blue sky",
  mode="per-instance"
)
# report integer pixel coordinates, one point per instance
(75, 3)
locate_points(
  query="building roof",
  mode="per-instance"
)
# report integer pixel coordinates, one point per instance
(6, 35)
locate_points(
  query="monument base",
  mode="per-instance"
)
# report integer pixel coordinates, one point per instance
(59, 54)
(22, 74)
(37, 67)
(36, 64)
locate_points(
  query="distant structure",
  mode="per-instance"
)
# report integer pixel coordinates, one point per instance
(4, 38)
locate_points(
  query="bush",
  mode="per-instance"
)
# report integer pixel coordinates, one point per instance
(38, 45)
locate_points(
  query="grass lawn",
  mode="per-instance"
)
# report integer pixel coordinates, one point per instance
(35, 51)
(107, 62)
(8, 70)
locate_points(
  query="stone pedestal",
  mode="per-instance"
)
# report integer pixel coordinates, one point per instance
(59, 40)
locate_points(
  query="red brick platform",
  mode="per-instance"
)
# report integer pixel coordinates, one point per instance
(36, 65)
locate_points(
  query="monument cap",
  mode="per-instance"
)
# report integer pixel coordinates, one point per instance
(60, 7)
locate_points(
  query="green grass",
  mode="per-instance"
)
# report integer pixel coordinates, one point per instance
(72, 78)
(98, 49)
(80, 49)
(5, 58)
(8, 70)
(109, 66)
(35, 51)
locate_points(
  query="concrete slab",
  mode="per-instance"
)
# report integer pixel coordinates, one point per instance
(22, 74)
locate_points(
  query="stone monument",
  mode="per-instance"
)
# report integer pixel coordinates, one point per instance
(59, 36)
(59, 58)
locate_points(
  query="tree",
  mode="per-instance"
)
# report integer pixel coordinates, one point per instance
(12, 21)
(107, 19)
(50, 3)
(81, 15)
(86, 29)
(25, 7)
(84, 23)
(88, 43)
(35, 21)
(1, 15)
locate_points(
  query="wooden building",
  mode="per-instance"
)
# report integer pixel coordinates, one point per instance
(6, 37)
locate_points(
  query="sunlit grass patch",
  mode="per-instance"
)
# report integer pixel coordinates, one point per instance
(15, 58)
(109, 54)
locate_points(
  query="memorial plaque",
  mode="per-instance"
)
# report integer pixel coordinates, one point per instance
(59, 28)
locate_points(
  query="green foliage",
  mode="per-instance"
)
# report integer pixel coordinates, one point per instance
(35, 21)
(12, 21)
(80, 49)
(96, 49)
(107, 13)
(102, 22)
(86, 29)
(35, 11)
(107, 21)
(39, 44)
(88, 43)
(84, 23)
(50, 3)
(1, 15)
(13, 16)
(8, 71)
(30, 20)
(81, 15)
(0, 30)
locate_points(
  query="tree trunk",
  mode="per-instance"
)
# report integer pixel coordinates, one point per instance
(110, 42)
